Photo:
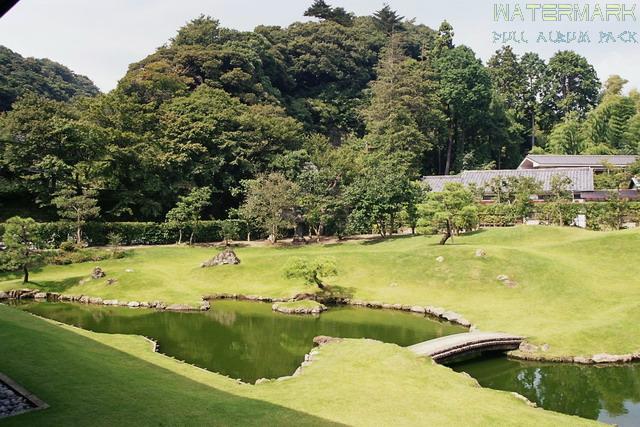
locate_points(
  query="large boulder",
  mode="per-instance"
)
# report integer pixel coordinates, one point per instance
(98, 273)
(226, 257)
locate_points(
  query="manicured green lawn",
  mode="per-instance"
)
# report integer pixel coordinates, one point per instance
(116, 380)
(578, 291)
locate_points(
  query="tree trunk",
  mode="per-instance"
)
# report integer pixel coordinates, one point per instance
(180, 236)
(26, 273)
(447, 166)
(79, 235)
(447, 234)
(533, 129)
(191, 238)
(319, 283)
(381, 229)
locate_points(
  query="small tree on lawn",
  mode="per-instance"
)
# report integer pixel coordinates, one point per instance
(450, 210)
(230, 230)
(311, 271)
(269, 200)
(115, 241)
(188, 211)
(21, 240)
(78, 208)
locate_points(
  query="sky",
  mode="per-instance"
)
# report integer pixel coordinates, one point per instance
(100, 39)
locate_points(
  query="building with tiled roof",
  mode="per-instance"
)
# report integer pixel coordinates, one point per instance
(598, 163)
(581, 178)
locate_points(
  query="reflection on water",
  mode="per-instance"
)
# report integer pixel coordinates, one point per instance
(606, 393)
(245, 340)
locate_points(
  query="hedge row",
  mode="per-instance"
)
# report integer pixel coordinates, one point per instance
(131, 233)
(600, 215)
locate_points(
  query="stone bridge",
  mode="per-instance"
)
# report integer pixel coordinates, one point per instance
(453, 346)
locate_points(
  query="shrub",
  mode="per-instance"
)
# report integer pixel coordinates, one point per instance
(68, 246)
(53, 234)
(85, 255)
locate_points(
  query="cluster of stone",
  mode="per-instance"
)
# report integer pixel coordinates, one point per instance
(528, 351)
(242, 297)
(280, 308)
(435, 312)
(226, 257)
(12, 403)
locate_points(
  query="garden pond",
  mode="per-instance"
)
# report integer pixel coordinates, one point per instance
(248, 341)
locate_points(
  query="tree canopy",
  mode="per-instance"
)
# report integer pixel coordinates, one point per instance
(321, 126)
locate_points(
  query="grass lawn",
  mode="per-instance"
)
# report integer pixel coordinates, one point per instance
(114, 380)
(577, 290)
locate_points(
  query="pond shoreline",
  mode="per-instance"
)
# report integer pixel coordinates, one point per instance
(436, 313)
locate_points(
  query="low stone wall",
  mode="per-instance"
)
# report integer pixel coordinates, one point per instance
(596, 359)
(86, 299)
(437, 313)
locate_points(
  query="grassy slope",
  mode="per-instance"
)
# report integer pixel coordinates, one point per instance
(577, 290)
(98, 379)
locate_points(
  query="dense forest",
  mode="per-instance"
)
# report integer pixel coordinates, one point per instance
(344, 111)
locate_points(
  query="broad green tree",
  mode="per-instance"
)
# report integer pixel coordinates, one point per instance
(571, 85)
(378, 196)
(465, 91)
(567, 137)
(269, 202)
(188, 211)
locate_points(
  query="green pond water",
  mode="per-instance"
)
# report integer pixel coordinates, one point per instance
(247, 340)
(610, 394)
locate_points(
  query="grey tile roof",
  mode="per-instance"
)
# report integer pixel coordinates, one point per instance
(436, 183)
(553, 160)
(581, 178)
